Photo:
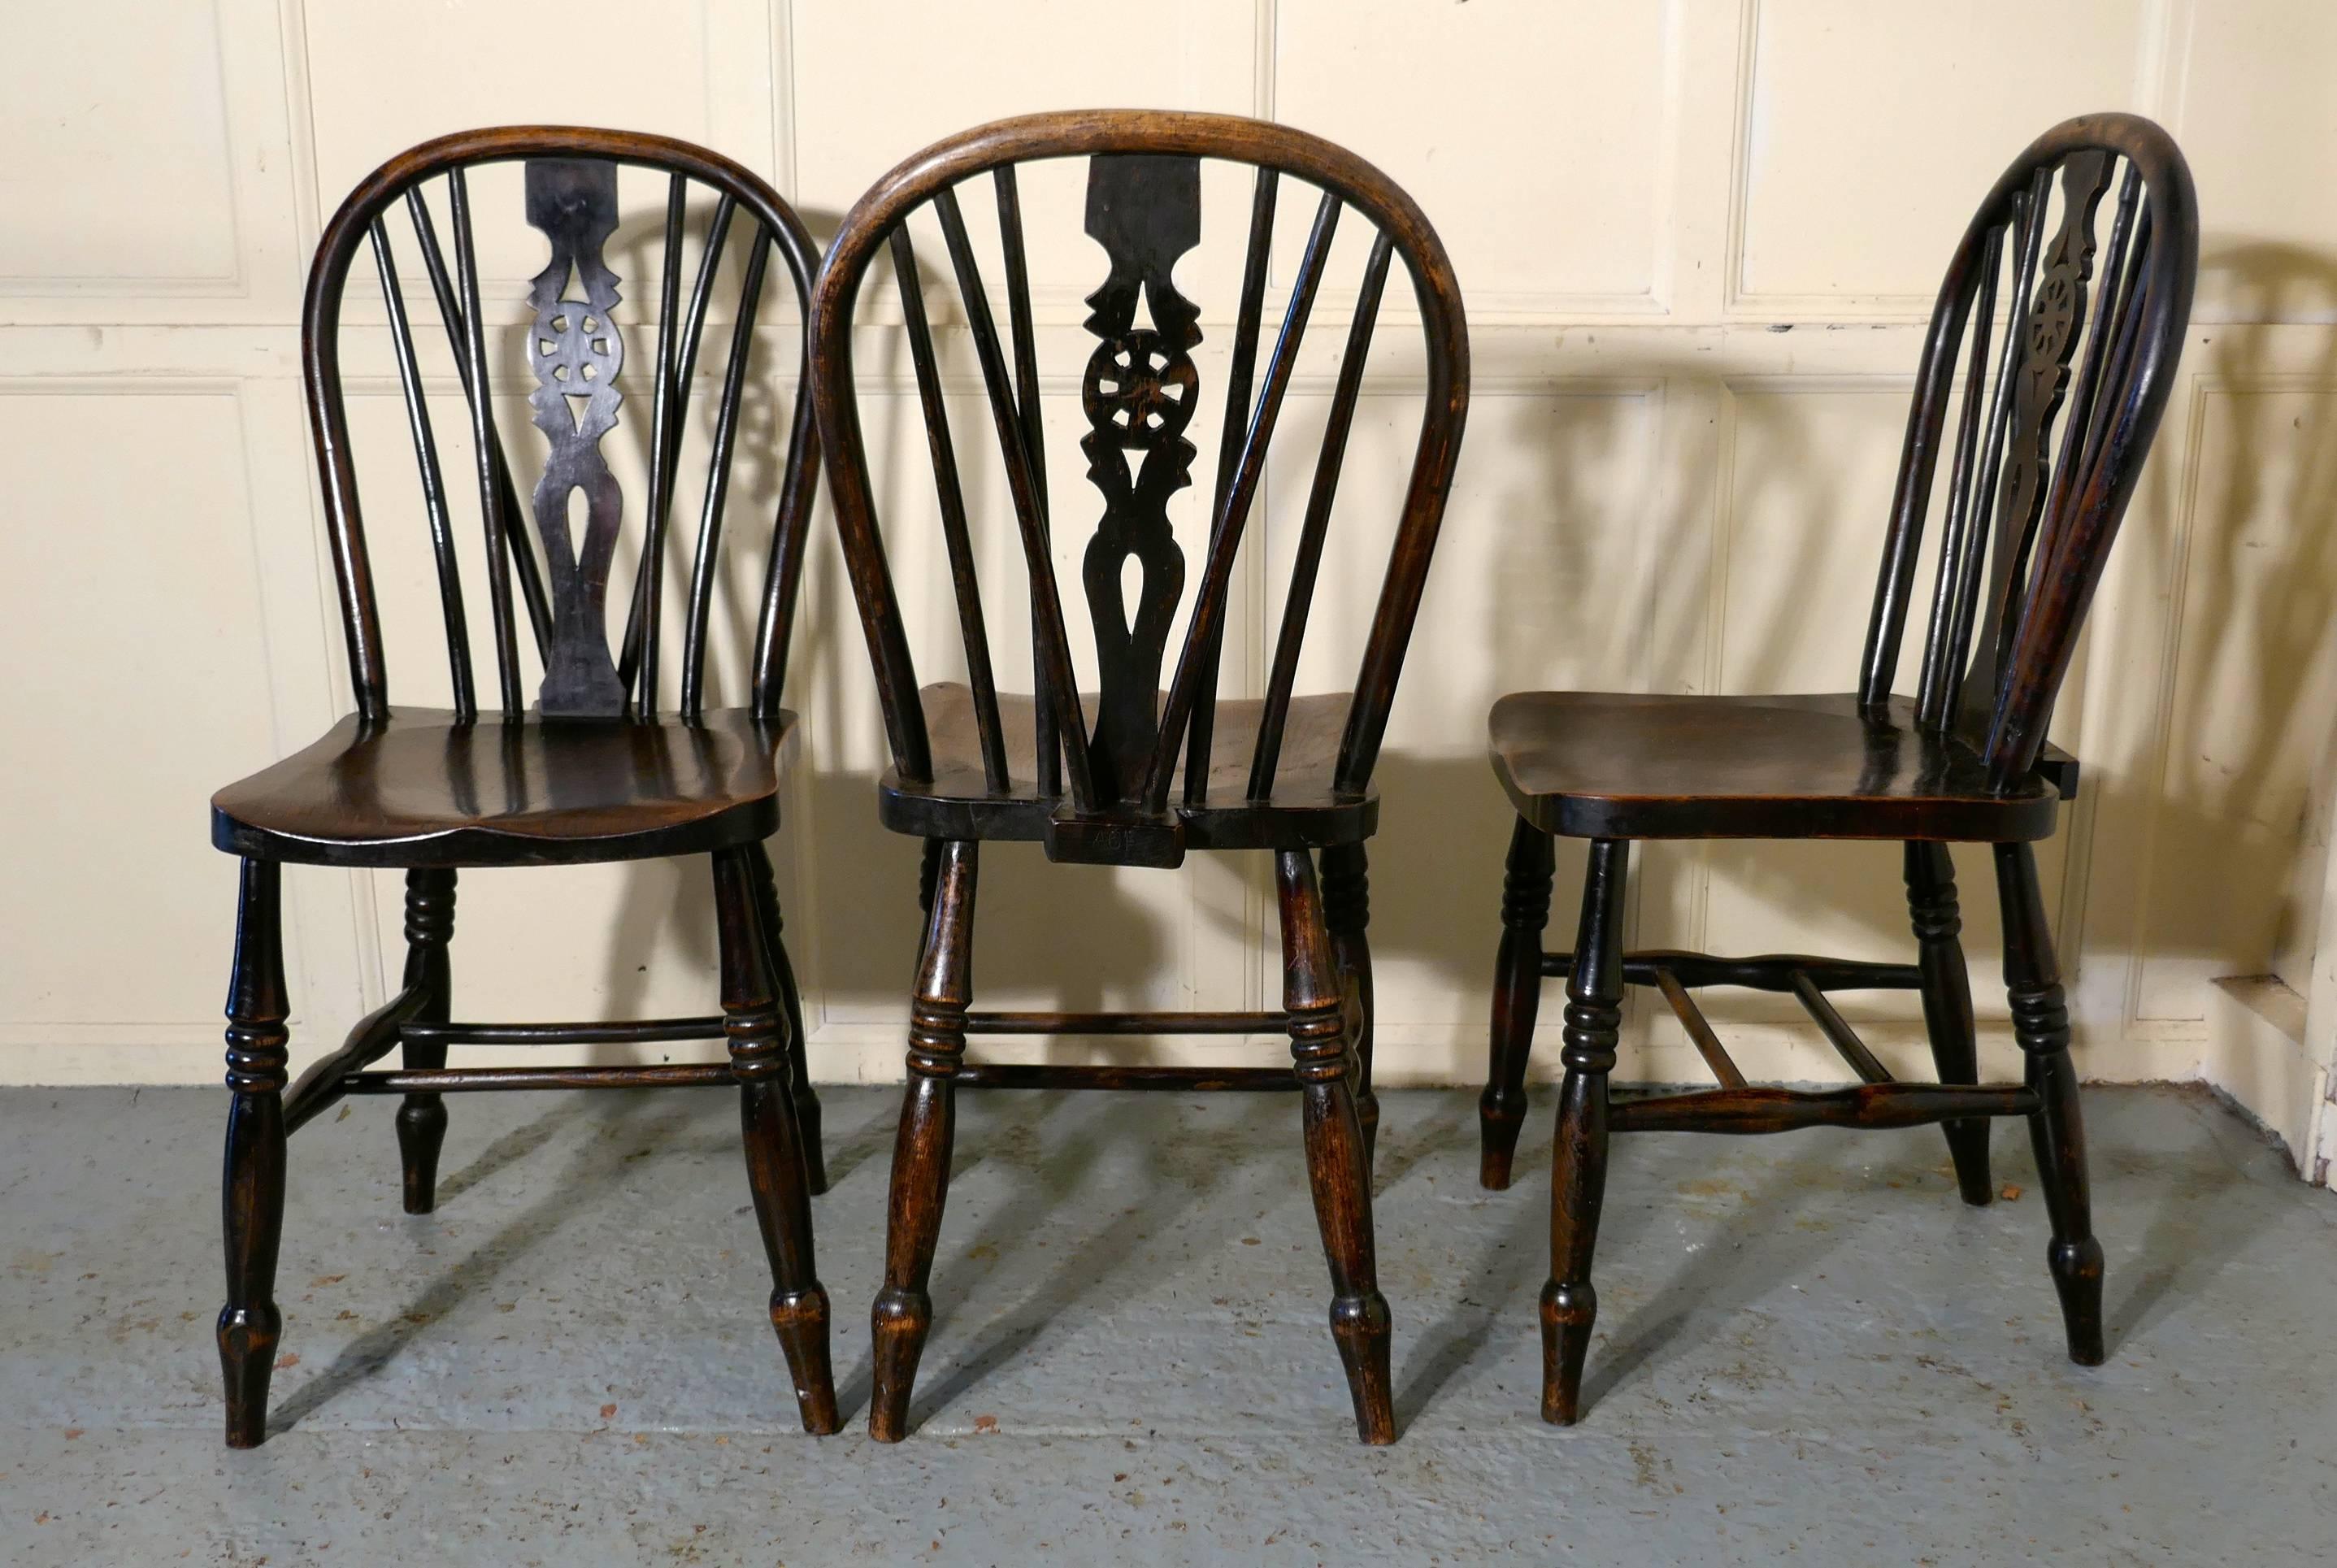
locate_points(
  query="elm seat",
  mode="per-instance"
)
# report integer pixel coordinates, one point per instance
(423, 788)
(1618, 765)
(1306, 811)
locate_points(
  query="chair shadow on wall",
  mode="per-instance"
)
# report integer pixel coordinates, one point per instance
(2261, 635)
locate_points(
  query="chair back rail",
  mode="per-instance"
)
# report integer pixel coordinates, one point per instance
(578, 354)
(2049, 432)
(1139, 394)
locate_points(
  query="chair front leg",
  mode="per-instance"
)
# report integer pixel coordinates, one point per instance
(1338, 1168)
(1948, 1003)
(422, 1118)
(253, 1187)
(1577, 1177)
(1347, 913)
(783, 976)
(2041, 1024)
(1517, 1001)
(768, 1119)
(903, 1314)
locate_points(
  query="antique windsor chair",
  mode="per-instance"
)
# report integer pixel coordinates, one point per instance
(1288, 774)
(595, 771)
(2026, 535)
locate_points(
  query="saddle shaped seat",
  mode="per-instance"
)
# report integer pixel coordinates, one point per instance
(1618, 765)
(422, 787)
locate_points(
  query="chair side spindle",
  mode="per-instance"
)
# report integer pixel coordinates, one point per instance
(950, 495)
(1239, 376)
(434, 487)
(718, 479)
(483, 434)
(1185, 693)
(1932, 702)
(1032, 418)
(638, 657)
(1329, 460)
(453, 317)
(1052, 650)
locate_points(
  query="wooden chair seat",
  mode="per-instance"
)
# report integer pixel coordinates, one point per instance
(1618, 765)
(1306, 810)
(423, 788)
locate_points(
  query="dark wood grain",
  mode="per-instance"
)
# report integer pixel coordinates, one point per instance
(2045, 448)
(1286, 772)
(588, 775)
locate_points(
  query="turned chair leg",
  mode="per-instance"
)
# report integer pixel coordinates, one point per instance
(422, 1118)
(1338, 1169)
(1347, 913)
(2041, 1024)
(769, 1120)
(253, 1187)
(903, 1314)
(782, 975)
(1947, 1004)
(1517, 999)
(1578, 1177)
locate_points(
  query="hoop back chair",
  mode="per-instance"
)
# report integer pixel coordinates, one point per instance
(2047, 445)
(1096, 779)
(592, 770)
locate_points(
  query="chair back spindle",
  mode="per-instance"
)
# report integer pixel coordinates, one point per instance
(1109, 766)
(2049, 431)
(577, 351)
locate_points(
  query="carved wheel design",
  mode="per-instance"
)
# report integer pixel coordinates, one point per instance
(576, 353)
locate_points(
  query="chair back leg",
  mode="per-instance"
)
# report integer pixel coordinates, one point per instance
(1517, 1002)
(1948, 1004)
(1347, 914)
(783, 976)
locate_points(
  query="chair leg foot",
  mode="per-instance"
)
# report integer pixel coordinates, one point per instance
(1578, 1174)
(897, 1326)
(1568, 1312)
(252, 1188)
(799, 1317)
(902, 1313)
(1517, 1001)
(421, 1133)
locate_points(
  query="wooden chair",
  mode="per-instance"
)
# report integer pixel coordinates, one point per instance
(1288, 774)
(2027, 527)
(593, 772)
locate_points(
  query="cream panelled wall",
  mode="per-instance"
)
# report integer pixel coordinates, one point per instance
(1698, 239)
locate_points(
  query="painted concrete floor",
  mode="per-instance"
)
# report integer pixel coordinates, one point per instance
(1809, 1348)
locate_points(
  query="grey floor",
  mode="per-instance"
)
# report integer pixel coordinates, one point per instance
(1809, 1348)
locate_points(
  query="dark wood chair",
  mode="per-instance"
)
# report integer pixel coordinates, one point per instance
(2029, 523)
(1290, 775)
(593, 771)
